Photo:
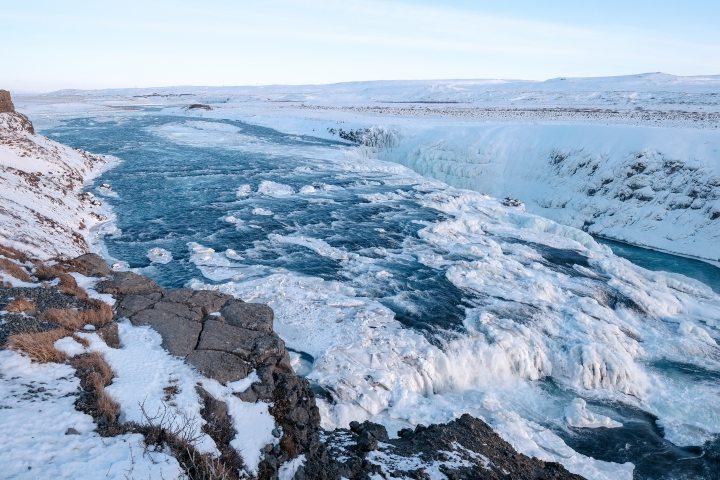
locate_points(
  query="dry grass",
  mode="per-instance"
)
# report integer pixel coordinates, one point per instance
(39, 346)
(77, 319)
(13, 253)
(81, 340)
(21, 305)
(69, 285)
(47, 272)
(14, 270)
(97, 374)
(177, 433)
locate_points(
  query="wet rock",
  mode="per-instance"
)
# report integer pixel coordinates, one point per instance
(253, 316)
(209, 300)
(128, 283)
(109, 334)
(91, 265)
(226, 338)
(179, 334)
(221, 366)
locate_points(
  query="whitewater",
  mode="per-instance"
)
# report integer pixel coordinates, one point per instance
(409, 301)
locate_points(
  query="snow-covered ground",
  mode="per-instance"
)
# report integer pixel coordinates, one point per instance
(42, 208)
(634, 158)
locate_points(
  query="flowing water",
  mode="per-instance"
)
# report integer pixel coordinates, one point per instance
(407, 301)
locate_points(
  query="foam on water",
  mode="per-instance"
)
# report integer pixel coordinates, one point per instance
(407, 301)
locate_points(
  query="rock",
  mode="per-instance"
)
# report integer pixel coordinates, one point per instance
(6, 105)
(376, 430)
(209, 300)
(71, 430)
(367, 442)
(268, 349)
(179, 335)
(132, 304)
(199, 106)
(247, 396)
(221, 366)
(177, 295)
(109, 334)
(226, 338)
(179, 309)
(91, 265)
(128, 283)
(253, 316)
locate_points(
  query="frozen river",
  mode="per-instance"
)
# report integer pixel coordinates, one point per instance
(408, 301)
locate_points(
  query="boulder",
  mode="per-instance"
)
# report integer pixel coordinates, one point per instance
(253, 316)
(91, 265)
(210, 301)
(223, 367)
(179, 309)
(179, 335)
(177, 295)
(128, 283)
(226, 338)
(109, 333)
(132, 304)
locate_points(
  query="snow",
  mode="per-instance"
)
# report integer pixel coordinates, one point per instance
(40, 183)
(33, 439)
(287, 470)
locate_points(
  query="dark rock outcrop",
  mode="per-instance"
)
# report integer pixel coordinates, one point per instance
(6, 105)
(91, 265)
(127, 283)
(225, 339)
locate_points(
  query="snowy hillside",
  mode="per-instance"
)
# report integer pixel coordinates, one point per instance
(42, 210)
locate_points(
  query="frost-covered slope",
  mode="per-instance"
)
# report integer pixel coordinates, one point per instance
(42, 210)
(654, 187)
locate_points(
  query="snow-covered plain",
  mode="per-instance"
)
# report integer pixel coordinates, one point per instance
(599, 327)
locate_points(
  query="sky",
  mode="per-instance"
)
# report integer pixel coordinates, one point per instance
(50, 45)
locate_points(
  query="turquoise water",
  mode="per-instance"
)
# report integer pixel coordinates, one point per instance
(658, 261)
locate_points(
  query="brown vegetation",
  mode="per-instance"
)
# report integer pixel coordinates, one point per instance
(13, 253)
(47, 272)
(176, 432)
(77, 319)
(39, 346)
(21, 305)
(95, 374)
(14, 270)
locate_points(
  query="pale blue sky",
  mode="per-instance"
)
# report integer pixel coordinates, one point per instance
(48, 45)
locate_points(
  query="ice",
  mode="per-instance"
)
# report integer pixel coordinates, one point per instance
(159, 255)
(577, 415)
(273, 189)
